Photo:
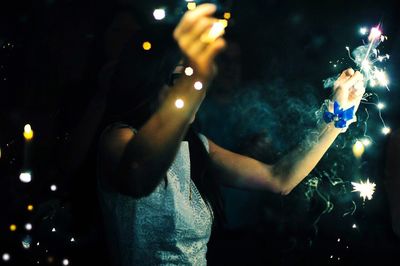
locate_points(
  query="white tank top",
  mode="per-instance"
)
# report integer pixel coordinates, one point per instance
(164, 228)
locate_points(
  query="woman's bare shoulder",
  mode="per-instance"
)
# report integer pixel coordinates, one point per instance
(114, 138)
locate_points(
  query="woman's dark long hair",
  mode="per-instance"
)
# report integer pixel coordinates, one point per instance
(133, 97)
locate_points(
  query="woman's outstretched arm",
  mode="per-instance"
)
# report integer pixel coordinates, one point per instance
(138, 161)
(243, 172)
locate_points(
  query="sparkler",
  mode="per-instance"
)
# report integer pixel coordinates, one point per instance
(366, 189)
(366, 57)
(368, 60)
(216, 31)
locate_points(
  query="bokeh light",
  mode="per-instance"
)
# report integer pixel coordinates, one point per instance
(179, 103)
(28, 226)
(6, 257)
(25, 177)
(358, 149)
(159, 14)
(198, 85)
(146, 46)
(28, 132)
(13, 227)
(189, 71)
(191, 5)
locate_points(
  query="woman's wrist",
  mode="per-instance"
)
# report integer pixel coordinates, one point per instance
(336, 116)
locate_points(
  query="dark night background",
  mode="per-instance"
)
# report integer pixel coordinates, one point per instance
(54, 58)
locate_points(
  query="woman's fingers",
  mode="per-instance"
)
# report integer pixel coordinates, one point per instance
(203, 25)
(356, 94)
(353, 80)
(213, 49)
(199, 36)
(349, 72)
(345, 75)
(192, 38)
(191, 17)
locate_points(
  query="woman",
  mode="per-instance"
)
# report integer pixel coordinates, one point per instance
(157, 178)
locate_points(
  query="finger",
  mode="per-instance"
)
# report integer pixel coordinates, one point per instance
(355, 96)
(345, 75)
(200, 28)
(203, 26)
(349, 72)
(359, 87)
(213, 49)
(353, 80)
(197, 48)
(191, 17)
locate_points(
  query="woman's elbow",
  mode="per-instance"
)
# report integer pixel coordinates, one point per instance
(286, 182)
(283, 187)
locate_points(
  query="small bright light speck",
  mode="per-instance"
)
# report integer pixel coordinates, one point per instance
(198, 85)
(363, 31)
(25, 177)
(191, 5)
(6, 257)
(386, 130)
(354, 226)
(366, 142)
(146, 46)
(28, 132)
(338, 240)
(53, 187)
(27, 128)
(53, 230)
(13, 228)
(380, 106)
(189, 71)
(72, 239)
(358, 149)
(28, 226)
(65, 262)
(159, 14)
(179, 103)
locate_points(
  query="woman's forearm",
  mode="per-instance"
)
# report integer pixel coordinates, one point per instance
(296, 165)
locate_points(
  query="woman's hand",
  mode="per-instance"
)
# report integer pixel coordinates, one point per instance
(189, 34)
(349, 89)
